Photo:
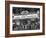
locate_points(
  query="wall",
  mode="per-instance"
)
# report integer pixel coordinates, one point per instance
(2, 19)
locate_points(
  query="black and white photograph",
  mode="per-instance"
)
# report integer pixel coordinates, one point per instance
(25, 18)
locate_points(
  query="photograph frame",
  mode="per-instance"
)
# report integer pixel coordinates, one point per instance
(7, 18)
